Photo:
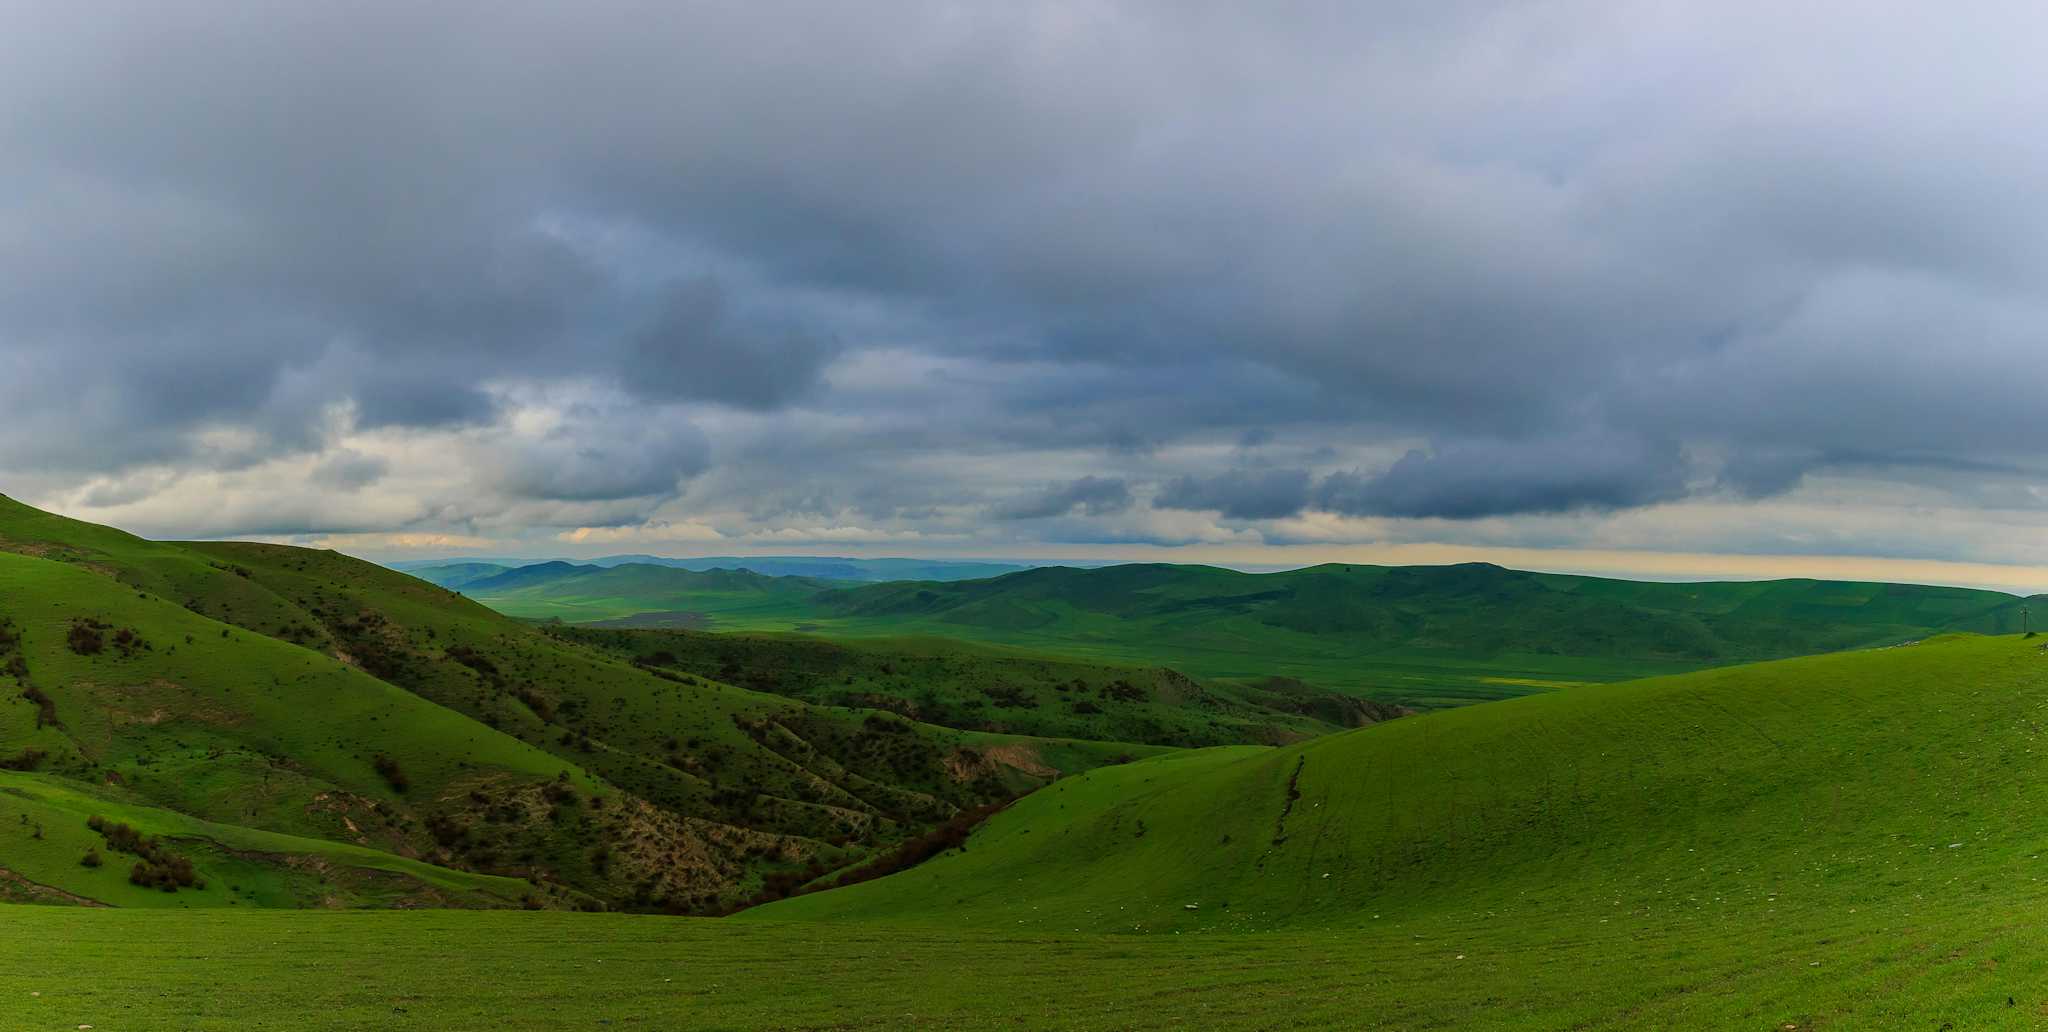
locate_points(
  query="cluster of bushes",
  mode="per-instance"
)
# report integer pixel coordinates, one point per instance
(1010, 696)
(85, 638)
(1123, 691)
(25, 760)
(128, 643)
(478, 662)
(155, 866)
(15, 664)
(391, 772)
(373, 652)
(539, 704)
(89, 637)
(880, 724)
(46, 707)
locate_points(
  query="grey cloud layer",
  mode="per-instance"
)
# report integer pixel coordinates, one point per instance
(1548, 258)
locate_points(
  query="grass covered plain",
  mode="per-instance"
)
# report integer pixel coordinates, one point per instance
(1787, 967)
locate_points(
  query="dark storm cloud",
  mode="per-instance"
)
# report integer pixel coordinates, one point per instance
(1239, 494)
(692, 351)
(1095, 496)
(597, 457)
(1465, 481)
(349, 471)
(1597, 255)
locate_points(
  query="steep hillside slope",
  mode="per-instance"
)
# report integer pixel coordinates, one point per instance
(308, 693)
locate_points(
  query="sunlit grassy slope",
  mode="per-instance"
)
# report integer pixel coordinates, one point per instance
(1850, 841)
(1424, 636)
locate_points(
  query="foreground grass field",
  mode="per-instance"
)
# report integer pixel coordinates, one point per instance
(1751, 966)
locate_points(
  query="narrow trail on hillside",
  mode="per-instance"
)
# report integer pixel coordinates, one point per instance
(1286, 808)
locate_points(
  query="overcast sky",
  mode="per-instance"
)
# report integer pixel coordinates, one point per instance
(1636, 287)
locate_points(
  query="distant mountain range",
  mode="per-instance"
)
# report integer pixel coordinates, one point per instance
(1424, 636)
(453, 573)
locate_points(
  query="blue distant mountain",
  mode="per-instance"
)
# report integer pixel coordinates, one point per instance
(455, 573)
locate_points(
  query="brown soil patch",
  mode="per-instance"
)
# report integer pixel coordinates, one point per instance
(967, 765)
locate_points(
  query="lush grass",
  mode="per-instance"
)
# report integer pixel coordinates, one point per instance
(1791, 967)
(1422, 636)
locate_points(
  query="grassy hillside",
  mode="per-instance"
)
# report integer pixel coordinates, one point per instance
(306, 693)
(53, 855)
(1879, 779)
(991, 688)
(1837, 842)
(1423, 636)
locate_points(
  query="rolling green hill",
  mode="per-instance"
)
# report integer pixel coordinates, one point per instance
(1425, 636)
(1852, 779)
(304, 693)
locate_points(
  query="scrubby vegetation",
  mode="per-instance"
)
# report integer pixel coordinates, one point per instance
(155, 867)
(989, 690)
(308, 694)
